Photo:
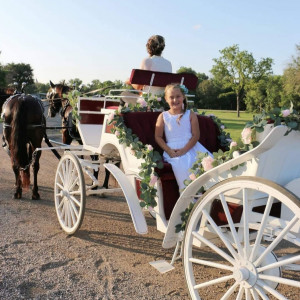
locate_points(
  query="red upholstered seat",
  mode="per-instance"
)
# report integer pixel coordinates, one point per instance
(162, 79)
(143, 125)
(94, 105)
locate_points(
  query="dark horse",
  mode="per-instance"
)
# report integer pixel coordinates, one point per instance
(59, 103)
(23, 131)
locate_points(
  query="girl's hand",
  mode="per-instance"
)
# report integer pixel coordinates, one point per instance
(180, 152)
(172, 153)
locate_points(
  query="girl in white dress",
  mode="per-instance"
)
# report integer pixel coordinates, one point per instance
(182, 133)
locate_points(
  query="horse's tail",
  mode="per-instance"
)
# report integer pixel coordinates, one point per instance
(18, 140)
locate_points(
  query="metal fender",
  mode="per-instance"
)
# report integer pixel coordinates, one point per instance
(133, 202)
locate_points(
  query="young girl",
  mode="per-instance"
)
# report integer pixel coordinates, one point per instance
(181, 130)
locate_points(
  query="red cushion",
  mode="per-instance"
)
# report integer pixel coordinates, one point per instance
(162, 79)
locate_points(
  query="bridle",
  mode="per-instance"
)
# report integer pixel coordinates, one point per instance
(65, 102)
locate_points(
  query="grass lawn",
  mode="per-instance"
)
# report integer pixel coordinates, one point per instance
(233, 124)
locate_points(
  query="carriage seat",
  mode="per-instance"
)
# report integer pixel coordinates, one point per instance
(162, 79)
(91, 118)
(143, 125)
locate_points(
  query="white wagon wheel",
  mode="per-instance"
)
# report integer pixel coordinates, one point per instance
(249, 254)
(69, 193)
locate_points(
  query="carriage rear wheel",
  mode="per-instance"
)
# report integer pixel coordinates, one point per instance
(233, 250)
(69, 193)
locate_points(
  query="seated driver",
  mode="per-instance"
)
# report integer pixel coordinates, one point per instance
(155, 62)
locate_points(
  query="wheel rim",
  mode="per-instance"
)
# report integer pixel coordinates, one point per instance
(69, 193)
(250, 262)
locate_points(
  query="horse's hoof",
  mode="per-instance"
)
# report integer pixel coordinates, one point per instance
(36, 196)
(17, 195)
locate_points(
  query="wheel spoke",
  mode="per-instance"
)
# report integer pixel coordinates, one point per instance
(210, 264)
(230, 291)
(60, 176)
(280, 263)
(240, 293)
(280, 280)
(276, 240)
(74, 182)
(78, 203)
(59, 185)
(231, 225)
(271, 290)
(74, 210)
(261, 292)
(213, 282)
(213, 247)
(220, 234)
(245, 220)
(247, 293)
(261, 229)
(60, 204)
(254, 294)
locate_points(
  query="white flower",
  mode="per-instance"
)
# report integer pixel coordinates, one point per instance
(153, 180)
(111, 116)
(235, 154)
(142, 102)
(246, 135)
(192, 176)
(233, 144)
(285, 112)
(149, 147)
(207, 163)
(158, 99)
(117, 133)
(222, 127)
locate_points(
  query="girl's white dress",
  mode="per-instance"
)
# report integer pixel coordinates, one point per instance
(178, 133)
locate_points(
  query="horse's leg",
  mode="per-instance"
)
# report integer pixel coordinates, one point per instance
(18, 184)
(107, 174)
(106, 179)
(36, 167)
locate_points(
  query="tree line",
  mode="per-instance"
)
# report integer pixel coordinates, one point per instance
(238, 82)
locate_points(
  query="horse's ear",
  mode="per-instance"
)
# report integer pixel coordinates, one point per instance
(52, 84)
(63, 83)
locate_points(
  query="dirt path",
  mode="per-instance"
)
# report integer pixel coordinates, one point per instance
(105, 260)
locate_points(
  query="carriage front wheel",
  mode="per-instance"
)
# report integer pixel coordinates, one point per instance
(238, 245)
(69, 193)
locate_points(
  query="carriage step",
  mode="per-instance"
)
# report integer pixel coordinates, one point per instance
(162, 266)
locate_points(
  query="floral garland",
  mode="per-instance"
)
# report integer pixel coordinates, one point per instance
(204, 162)
(152, 159)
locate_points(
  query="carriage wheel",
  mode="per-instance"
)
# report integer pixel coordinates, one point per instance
(69, 193)
(235, 251)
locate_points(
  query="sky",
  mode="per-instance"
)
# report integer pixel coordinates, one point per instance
(105, 39)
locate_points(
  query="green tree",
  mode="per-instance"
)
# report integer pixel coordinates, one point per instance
(2, 76)
(236, 69)
(75, 83)
(266, 94)
(201, 76)
(18, 73)
(291, 81)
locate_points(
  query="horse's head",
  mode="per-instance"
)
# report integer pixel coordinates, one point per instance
(55, 95)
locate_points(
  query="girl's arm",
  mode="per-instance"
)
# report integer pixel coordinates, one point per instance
(159, 132)
(195, 135)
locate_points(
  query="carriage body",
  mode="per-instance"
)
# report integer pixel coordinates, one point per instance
(252, 210)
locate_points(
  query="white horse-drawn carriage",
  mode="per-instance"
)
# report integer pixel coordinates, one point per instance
(246, 226)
